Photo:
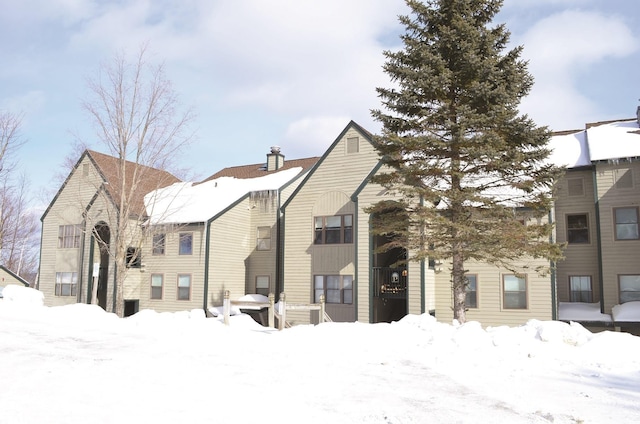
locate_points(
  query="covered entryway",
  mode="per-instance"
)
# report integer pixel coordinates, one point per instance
(389, 275)
(99, 257)
(389, 272)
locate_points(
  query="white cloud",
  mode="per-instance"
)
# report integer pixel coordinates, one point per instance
(311, 136)
(571, 39)
(561, 47)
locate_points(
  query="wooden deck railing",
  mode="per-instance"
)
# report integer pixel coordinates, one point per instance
(273, 312)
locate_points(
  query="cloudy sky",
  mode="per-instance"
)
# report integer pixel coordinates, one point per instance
(286, 72)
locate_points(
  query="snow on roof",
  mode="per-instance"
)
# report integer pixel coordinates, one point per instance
(569, 150)
(581, 312)
(189, 202)
(606, 141)
(614, 140)
(627, 312)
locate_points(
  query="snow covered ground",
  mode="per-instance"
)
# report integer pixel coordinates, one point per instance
(79, 364)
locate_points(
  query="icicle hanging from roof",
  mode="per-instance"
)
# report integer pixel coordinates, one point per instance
(265, 199)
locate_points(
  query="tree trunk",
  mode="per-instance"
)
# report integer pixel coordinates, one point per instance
(458, 286)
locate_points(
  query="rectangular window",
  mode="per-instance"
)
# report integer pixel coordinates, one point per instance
(262, 285)
(471, 298)
(333, 229)
(575, 186)
(157, 281)
(69, 236)
(186, 244)
(184, 286)
(66, 283)
(626, 220)
(629, 288)
(580, 288)
(514, 292)
(264, 238)
(335, 288)
(133, 259)
(159, 241)
(578, 228)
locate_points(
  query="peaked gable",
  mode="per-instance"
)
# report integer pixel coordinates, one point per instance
(351, 125)
(14, 275)
(153, 179)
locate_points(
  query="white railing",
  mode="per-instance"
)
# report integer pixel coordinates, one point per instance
(273, 312)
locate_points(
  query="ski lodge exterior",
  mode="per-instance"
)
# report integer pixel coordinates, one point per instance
(300, 227)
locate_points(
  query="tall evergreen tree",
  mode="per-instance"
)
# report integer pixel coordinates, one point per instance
(470, 170)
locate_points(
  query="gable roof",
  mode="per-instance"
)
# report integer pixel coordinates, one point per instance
(152, 179)
(259, 169)
(185, 202)
(352, 124)
(14, 275)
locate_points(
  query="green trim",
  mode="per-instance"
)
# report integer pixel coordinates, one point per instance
(422, 278)
(554, 287)
(366, 181)
(40, 257)
(280, 281)
(371, 258)
(355, 261)
(598, 236)
(367, 136)
(90, 275)
(207, 245)
(423, 291)
(82, 245)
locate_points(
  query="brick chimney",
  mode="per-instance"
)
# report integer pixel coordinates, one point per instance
(275, 159)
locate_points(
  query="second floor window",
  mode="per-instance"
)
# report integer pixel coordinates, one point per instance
(134, 260)
(186, 244)
(333, 229)
(626, 220)
(158, 244)
(577, 229)
(69, 236)
(264, 238)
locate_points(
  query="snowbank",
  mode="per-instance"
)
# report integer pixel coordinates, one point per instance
(23, 296)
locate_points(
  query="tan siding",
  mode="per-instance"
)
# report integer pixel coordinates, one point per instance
(490, 311)
(618, 256)
(580, 259)
(170, 265)
(231, 241)
(327, 192)
(261, 262)
(66, 210)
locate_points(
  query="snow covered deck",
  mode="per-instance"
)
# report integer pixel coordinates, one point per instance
(589, 313)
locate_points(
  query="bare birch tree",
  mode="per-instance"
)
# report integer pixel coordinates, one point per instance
(18, 224)
(137, 119)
